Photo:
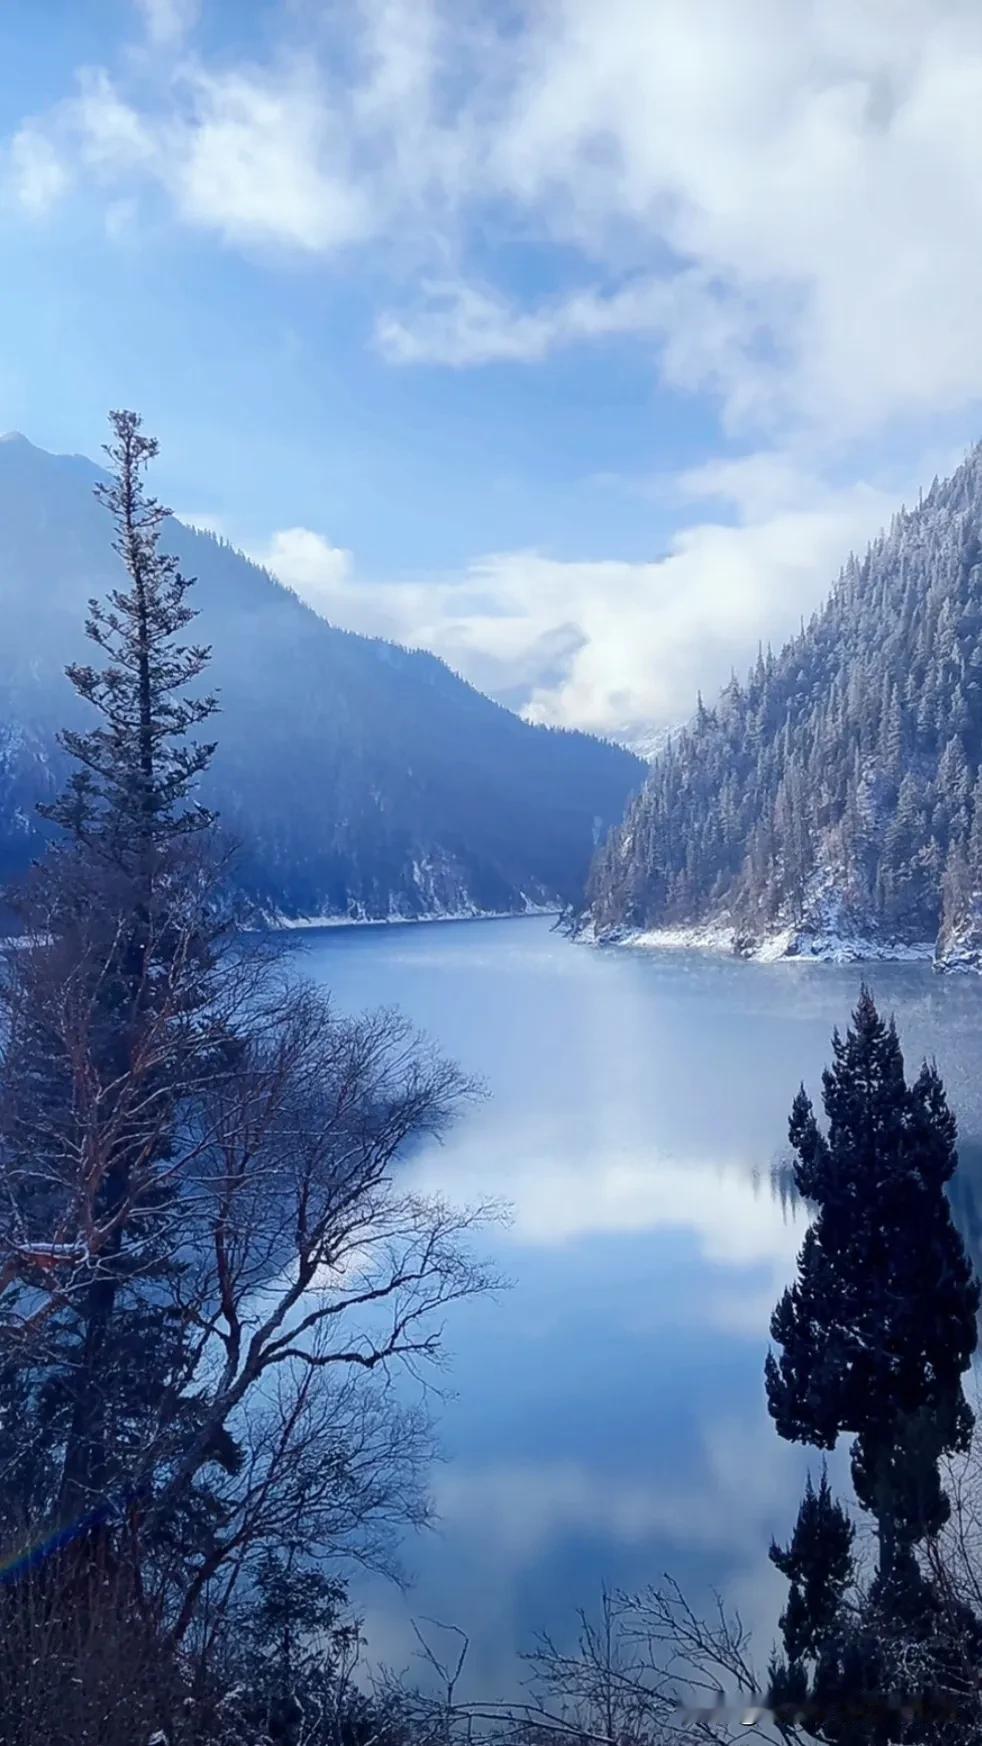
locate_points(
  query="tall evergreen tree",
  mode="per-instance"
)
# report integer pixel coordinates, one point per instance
(879, 1327)
(129, 797)
(183, 1136)
(110, 911)
(818, 1563)
(875, 1336)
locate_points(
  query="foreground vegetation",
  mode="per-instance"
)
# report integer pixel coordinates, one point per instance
(209, 1266)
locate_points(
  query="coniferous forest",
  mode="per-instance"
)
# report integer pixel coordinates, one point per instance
(836, 790)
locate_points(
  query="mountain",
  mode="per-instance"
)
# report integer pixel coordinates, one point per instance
(646, 742)
(357, 777)
(834, 799)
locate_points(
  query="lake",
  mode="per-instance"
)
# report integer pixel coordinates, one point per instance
(606, 1421)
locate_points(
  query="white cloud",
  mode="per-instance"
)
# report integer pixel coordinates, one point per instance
(36, 173)
(816, 164)
(460, 323)
(796, 187)
(553, 1202)
(113, 138)
(167, 21)
(784, 198)
(297, 151)
(778, 205)
(262, 158)
(611, 645)
(255, 156)
(308, 563)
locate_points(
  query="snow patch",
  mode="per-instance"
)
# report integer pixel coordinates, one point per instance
(276, 919)
(960, 943)
(711, 938)
(785, 945)
(834, 928)
(832, 948)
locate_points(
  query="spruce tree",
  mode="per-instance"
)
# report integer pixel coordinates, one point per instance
(874, 1336)
(129, 797)
(198, 1205)
(879, 1327)
(827, 1672)
(125, 939)
(818, 1563)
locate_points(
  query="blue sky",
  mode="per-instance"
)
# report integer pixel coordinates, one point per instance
(578, 342)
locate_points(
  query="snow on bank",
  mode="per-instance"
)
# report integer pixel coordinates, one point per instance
(841, 949)
(835, 927)
(276, 919)
(701, 939)
(787, 945)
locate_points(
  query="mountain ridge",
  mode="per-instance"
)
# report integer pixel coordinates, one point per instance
(833, 801)
(360, 778)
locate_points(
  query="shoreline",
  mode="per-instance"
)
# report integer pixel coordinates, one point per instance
(279, 923)
(314, 923)
(785, 946)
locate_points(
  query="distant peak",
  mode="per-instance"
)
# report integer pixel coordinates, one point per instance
(20, 450)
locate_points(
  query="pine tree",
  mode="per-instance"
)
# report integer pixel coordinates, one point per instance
(181, 1128)
(957, 886)
(879, 1327)
(125, 937)
(875, 1336)
(975, 835)
(818, 1563)
(136, 771)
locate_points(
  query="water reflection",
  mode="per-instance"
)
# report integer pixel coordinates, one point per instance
(964, 1192)
(557, 1201)
(606, 1420)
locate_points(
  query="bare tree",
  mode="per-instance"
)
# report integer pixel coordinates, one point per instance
(270, 1237)
(647, 1670)
(272, 1273)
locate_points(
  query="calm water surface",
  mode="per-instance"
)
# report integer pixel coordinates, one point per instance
(606, 1421)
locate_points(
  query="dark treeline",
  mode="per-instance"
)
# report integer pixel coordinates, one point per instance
(839, 785)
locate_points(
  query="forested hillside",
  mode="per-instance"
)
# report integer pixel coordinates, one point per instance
(837, 790)
(357, 777)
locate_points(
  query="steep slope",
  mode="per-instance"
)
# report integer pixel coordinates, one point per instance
(837, 794)
(358, 777)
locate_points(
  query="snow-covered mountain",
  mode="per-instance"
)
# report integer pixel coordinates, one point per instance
(833, 802)
(359, 778)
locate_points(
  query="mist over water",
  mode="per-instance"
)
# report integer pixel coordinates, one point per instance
(604, 1419)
